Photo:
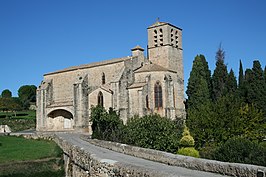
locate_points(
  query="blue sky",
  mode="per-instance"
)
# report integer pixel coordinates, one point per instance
(38, 37)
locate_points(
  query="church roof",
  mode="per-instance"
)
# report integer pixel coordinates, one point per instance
(151, 67)
(137, 85)
(158, 23)
(91, 65)
(137, 48)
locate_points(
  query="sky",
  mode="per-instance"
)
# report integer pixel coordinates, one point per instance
(41, 36)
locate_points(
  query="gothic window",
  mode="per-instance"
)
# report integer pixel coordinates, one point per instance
(158, 97)
(147, 101)
(103, 78)
(100, 99)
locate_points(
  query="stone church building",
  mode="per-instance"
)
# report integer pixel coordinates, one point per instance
(133, 85)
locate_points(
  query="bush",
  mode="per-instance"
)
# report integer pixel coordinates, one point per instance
(189, 151)
(241, 150)
(106, 125)
(187, 140)
(153, 131)
(207, 152)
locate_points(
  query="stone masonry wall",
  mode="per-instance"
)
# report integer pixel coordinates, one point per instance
(225, 168)
(79, 162)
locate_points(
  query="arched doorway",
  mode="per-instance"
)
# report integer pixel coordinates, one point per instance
(60, 119)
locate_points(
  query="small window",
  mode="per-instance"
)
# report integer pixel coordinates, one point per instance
(147, 101)
(100, 99)
(158, 97)
(103, 78)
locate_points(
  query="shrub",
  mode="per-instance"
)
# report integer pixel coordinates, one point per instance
(153, 131)
(106, 125)
(241, 150)
(189, 151)
(187, 140)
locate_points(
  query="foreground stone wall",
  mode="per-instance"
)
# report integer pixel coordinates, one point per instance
(225, 168)
(82, 163)
(79, 162)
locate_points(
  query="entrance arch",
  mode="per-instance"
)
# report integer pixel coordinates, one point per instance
(59, 120)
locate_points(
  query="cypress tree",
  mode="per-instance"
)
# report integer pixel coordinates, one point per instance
(240, 75)
(265, 74)
(199, 101)
(219, 76)
(198, 90)
(255, 87)
(231, 83)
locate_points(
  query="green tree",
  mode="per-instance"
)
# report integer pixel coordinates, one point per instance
(265, 74)
(231, 83)
(255, 87)
(6, 93)
(199, 112)
(251, 124)
(219, 76)
(240, 75)
(199, 83)
(27, 94)
(106, 125)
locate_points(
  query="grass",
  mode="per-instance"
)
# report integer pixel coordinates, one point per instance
(20, 149)
(20, 157)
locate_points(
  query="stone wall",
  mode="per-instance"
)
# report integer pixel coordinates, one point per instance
(225, 168)
(79, 162)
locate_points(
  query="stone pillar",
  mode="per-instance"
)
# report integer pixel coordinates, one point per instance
(171, 101)
(140, 99)
(41, 110)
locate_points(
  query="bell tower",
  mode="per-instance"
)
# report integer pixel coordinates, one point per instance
(165, 46)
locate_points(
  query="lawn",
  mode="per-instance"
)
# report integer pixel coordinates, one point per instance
(20, 149)
(21, 157)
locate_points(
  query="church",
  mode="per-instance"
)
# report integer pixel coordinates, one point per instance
(133, 85)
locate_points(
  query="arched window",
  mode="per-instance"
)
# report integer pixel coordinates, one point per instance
(100, 99)
(158, 97)
(147, 101)
(103, 78)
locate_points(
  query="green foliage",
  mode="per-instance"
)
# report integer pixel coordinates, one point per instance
(19, 121)
(27, 94)
(231, 83)
(199, 84)
(153, 132)
(199, 124)
(219, 76)
(189, 151)
(6, 93)
(106, 126)
(251, 123)
(10, 104)
(241, 150)
(187, 140)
